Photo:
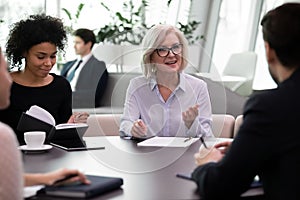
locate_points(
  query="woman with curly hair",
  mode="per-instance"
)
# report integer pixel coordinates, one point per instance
(11, 168)
(36, 41)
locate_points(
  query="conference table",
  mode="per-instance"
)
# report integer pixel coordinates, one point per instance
(147, 172)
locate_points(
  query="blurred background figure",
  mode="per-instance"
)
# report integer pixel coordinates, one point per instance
(87, 75)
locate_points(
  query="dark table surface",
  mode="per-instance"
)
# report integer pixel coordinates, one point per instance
(148, 172)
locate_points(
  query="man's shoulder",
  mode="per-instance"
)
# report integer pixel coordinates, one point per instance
(270, 99)
(94, 59)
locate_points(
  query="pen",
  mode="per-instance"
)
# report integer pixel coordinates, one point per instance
(187, 139)
(184, 176)
(202, 140)
(64, 179)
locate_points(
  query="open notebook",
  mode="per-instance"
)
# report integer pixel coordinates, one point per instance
(67, 136)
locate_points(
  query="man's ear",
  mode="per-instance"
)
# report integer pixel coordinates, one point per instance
(270, 53)
(90, 44)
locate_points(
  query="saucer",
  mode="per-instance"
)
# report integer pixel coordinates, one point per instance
(42, 148)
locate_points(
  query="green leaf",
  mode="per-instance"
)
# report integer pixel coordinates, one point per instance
(67, 13)
(121, 18)
(104, 6)
(79, 9)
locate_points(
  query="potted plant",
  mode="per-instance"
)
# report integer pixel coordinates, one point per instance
(131, 29)
(125, 28)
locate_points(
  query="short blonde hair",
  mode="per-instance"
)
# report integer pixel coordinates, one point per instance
(153, 39)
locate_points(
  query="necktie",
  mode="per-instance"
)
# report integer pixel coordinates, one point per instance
(72, 73)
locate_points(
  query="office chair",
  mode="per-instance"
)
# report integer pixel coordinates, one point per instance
(237, 124)
(239, 72)
(223, 125)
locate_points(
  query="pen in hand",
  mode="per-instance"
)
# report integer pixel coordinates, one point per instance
(60, 181)
(202, 140)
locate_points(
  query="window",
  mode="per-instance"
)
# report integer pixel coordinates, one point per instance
(12, 11)
(93, 15)
(233, 31)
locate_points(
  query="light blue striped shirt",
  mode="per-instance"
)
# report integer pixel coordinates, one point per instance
(144, 101)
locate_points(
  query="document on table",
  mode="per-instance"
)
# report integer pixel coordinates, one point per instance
(31, 190)
(167, 142)
(211, 141)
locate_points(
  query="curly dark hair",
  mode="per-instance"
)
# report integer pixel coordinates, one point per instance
(32, 31)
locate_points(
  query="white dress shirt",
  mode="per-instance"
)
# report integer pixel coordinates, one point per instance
(77, 72)
(144, 101)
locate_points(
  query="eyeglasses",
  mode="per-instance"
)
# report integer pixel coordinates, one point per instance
(164, 51)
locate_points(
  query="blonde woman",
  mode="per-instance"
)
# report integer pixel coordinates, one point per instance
(165, 101)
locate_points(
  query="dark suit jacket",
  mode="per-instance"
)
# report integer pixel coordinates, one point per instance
(91, 83)
(267, 144)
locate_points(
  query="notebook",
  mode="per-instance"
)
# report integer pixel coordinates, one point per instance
(99, 185)
(68, 136)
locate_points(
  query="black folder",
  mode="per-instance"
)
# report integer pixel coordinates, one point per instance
(29, 123)
(98, 186)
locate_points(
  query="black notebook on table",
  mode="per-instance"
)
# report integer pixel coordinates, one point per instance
(99, 185)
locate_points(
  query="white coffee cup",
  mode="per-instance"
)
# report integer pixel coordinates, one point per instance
(34, 139)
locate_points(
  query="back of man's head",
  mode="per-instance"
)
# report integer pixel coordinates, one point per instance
(281, 29)
(86, 35)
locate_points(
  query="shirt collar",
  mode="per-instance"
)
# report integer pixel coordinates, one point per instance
(181, 85)
(86, 57)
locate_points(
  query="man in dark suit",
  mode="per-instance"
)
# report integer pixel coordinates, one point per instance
(87, 75)
(268, 141)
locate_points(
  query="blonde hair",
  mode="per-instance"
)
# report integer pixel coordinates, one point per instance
(153, 39)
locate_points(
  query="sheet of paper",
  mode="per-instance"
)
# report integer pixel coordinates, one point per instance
(167, 142)
(41, 114)
(31, 190)
(211, 141)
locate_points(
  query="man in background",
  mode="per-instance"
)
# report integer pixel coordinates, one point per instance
(87, 75)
